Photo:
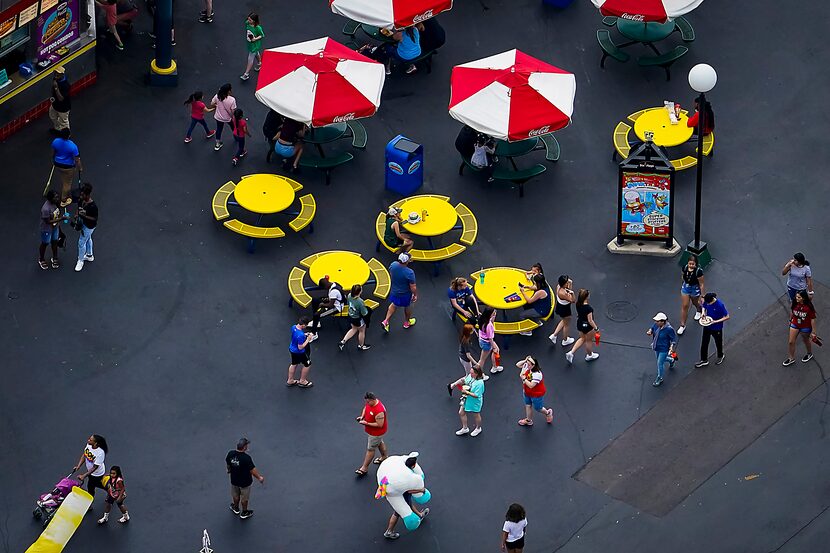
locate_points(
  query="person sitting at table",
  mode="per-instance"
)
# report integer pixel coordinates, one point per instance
(538, 300)
(326, 300)
(708, 121)
(465, 142)
(535, 269)
(273, 122)
(289, 144)
(483, 157)
(393, 236)
(462, 298)
(406, 48)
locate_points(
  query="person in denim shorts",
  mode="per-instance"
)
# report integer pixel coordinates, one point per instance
(691, 290)
(50, 219)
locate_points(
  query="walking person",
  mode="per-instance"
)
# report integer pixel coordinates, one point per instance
(462, 299)
(110, 8)
(254, 36)
(243, 471)
(116, 493)
(66, 159)
(403, 293)
(390, 534)
(663, 342)
(715, 312)
(94, 457)
(472, 398)
(802, 323)
(240, 130)
(300, 350)
(586, 326)
(60, 100)
(533, 390)
(565, 297)
(513, 531)
(197, 115)
(206, 15)
(87, 222)
(691, 291)
(358, 319)
(50, 220)
(224, 105)
(374, 421)
(487, 340)
(799, 275)
(393, 235)
(465, 352)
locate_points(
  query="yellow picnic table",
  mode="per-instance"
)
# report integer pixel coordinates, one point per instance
(344, 268)
(441, 215)
(499, 283)
(264, 193)
(657, 120)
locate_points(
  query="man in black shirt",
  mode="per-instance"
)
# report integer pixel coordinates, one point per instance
(87, 221)
(242, 470)
(61, 103)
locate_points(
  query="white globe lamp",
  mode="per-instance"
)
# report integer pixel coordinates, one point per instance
(703, 78)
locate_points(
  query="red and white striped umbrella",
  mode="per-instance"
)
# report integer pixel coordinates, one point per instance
(512, 96)
(646, 10)
(319, 82)
(386, 13)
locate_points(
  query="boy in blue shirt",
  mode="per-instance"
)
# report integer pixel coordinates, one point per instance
(300, 350)
(714, 308)
(663, 342)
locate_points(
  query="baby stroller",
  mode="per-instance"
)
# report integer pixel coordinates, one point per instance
(49, 502)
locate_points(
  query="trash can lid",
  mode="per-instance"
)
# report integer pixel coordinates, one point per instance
(407, 146)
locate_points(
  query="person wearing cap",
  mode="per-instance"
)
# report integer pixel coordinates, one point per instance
(60, 99)
(374, 421)
(403, 293)
(714, 309)
(392, 235)
(663, 342)
(243, 471)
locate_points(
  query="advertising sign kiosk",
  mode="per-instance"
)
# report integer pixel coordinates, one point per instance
(645, 206)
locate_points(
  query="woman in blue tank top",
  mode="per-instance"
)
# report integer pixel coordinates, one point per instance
(407, 47)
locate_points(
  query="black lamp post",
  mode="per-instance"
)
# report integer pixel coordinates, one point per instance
(702, 78)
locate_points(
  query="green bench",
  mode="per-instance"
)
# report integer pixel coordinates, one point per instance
(664, 60)
(609, 49)
(350, 28)
(326, 164)
(519, 177)
(359, 136)
(551, 147)
(608, 21)
(687, 33)
(424, 59)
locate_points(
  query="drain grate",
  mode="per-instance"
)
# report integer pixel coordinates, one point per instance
(621, 311)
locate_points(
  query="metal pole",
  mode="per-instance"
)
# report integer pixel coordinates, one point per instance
(164, 33)
(701, 114)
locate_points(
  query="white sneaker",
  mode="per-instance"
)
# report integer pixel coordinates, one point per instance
(568, 341)
(89, 258)
(463, 431)
(497, 369)
(698, 314)
(104, 518)
(552, 339)
(79, 265)
(681, 330)
(570, 357)
(526, 333)
(486, 377)
(124, 518)
(476, 432)
(591, 357)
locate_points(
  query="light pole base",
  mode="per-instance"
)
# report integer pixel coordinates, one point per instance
(633, 247)
(701, 251)
(163, 76)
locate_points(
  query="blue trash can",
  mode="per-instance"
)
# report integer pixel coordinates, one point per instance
(404, 165)
(558, 3)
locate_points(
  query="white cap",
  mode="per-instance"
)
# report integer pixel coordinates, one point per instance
(404, 257)
(413, 454)
(661, 317)
(394, 211)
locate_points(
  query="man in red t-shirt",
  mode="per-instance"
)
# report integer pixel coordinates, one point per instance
(373, 419)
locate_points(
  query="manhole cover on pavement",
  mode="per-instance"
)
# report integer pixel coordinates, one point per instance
(621, 311)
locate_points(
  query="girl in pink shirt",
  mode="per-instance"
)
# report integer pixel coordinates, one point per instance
(487, 340)
(240, 130)
(224, 104)
(197, 115)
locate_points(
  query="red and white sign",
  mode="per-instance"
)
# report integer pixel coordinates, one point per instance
(646, 10)
(512, 96)
(320, 82)
(390, 13)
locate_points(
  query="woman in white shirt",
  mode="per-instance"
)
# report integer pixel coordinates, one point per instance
(224, 105)
(513, 531)
(94, 455)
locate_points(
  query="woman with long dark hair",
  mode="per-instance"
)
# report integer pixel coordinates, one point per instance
(224, 104)
(691, 292)
(94, 456)
(802, 323)
(565, 297)
(586, 326)
(799, 275)
(513, 531)
(538, 302)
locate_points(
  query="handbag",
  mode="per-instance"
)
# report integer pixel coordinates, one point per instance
(61, 239)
